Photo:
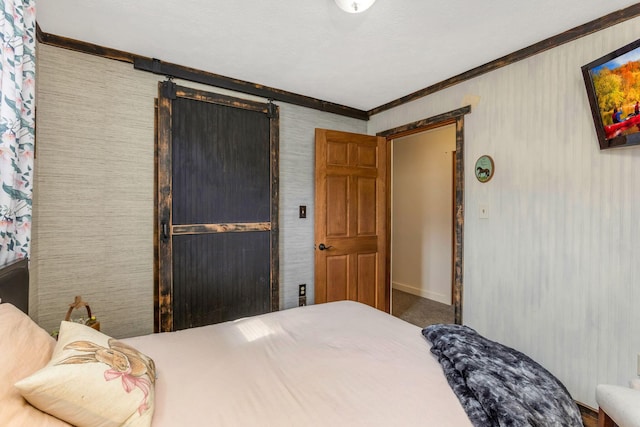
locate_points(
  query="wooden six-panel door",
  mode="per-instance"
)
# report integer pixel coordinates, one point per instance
(216, 209)
(350, 219)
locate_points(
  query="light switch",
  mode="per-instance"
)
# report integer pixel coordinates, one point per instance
(303, 211)
(483, 211)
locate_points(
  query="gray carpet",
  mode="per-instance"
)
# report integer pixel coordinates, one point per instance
(420, 311)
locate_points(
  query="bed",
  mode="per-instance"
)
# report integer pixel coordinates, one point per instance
(334, 364)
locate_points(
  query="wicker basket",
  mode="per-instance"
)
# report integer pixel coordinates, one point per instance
(78, 304)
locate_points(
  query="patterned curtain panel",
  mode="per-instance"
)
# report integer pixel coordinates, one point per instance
(17, 121)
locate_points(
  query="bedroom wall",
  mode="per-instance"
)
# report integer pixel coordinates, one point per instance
(554, 271)
(422, 213)
(94, 196)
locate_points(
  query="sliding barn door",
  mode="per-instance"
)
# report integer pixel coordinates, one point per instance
(217, 208)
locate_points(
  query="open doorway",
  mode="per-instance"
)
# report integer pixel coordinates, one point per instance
(456, 119)
(422, 218)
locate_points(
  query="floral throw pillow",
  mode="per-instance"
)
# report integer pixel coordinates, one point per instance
(93, 380)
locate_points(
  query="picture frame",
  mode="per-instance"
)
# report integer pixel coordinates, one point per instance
(613, 89)
(484, 168)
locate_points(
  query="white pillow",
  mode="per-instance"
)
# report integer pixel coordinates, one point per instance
(93, 380)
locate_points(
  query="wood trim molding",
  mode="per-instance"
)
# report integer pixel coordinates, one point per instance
(183, 229)
(458, 227)
(83, 47)
(163, 310)
(589, 415)
(536, 48)
(274, 131)
(191, 74)
(157, 66)
(216, 98)
(426, 124)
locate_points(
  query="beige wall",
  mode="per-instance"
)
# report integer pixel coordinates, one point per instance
(554, 271)
(94, 193)
(422, 212)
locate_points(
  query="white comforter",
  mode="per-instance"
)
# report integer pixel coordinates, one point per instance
(336, 364)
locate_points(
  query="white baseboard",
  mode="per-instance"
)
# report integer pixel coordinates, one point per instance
(435, 296)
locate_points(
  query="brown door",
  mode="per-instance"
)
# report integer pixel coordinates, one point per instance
(217, 208)
(350, 219)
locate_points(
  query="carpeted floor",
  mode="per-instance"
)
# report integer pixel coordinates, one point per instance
(419, 311)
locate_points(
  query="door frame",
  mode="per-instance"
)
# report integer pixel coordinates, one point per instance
(452, 117)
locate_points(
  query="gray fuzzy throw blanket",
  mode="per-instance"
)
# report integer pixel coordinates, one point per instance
(497, 385)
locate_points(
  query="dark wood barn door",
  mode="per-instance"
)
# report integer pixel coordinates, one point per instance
(217, 208)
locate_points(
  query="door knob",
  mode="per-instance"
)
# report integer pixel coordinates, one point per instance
(322, 247)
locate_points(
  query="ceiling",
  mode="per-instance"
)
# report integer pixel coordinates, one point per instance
(312, 48)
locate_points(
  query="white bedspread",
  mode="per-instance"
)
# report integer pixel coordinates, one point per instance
(336, 364)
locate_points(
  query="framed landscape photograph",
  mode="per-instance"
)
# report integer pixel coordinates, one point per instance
(613, 88)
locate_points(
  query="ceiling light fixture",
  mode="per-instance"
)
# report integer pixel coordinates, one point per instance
(354, 6)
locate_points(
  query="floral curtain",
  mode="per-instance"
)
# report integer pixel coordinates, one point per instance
(17, 126)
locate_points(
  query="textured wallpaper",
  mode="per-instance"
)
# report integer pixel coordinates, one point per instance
(93, 202)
